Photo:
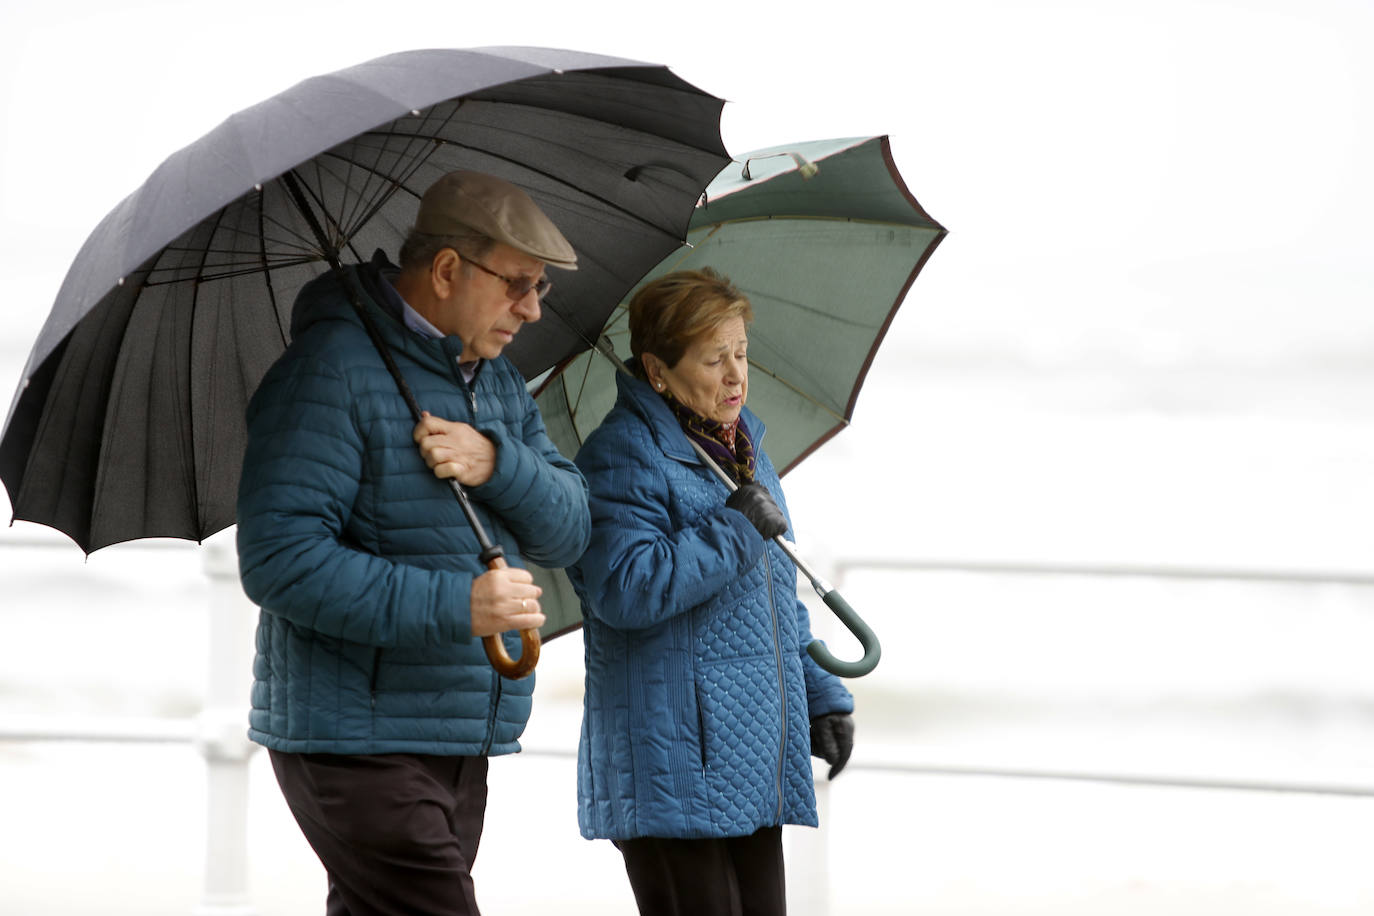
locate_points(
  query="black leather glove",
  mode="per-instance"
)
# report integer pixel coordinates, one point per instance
(756, 504)
(832, 740)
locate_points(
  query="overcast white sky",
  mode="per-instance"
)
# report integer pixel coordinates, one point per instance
(1171, 184)
(1177, 178)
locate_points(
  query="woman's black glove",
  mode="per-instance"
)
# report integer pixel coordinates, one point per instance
(756, 504)
(832, 740)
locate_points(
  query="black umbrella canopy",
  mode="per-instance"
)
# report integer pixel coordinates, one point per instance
(129, 422)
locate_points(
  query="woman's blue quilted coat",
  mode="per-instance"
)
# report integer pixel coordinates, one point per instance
(360, 557)
(699, 691)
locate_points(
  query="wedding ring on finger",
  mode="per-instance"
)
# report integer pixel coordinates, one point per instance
(524, 604)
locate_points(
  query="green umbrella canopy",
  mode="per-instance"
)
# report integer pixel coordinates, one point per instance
(825, 240)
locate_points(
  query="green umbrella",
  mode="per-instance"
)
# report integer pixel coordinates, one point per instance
(825, 240)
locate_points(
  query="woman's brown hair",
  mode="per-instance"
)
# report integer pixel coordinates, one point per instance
(668, 313)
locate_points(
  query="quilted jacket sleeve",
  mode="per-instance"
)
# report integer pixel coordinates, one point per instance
(300, 478)
(539, 494)
(640, 569)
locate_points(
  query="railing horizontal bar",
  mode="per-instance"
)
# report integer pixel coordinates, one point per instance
(171, 731)
(1167, 782)
(926, 564)
(122, 730)
(997, 567)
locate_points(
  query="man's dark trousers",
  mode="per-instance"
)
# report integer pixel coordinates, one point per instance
(397, 833)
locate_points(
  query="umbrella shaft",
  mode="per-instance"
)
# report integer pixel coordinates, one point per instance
(489, 550)
(821, 586)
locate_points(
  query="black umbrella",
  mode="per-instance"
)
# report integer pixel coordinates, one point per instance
(129, 422)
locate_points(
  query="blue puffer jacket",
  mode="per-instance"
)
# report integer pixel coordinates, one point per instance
(699, 691)
(361, 559)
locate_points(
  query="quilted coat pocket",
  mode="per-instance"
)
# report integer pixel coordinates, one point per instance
(742, 734)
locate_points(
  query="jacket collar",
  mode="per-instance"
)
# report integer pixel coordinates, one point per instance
(639, 397)
(326, 298)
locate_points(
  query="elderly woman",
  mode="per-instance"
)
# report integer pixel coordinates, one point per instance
(701, 701)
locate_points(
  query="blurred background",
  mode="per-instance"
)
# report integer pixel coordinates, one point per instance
(1105, 500)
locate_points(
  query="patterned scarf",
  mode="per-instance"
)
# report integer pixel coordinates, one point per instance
(728, 444)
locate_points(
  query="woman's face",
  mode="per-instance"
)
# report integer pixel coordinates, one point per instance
(712, 377)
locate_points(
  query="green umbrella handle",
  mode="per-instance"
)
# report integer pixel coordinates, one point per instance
(833, 600)
(872, 650)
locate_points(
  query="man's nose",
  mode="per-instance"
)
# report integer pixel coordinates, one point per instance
(527, 307)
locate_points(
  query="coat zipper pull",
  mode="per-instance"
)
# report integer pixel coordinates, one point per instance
(467, 385)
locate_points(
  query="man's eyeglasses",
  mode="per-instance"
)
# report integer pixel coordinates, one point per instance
(516, 287)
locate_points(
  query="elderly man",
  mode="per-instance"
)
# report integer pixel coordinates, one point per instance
(371, 688)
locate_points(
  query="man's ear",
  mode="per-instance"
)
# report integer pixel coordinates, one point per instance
(443, 272)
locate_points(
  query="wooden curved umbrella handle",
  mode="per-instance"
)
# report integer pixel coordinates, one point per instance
(513, 668)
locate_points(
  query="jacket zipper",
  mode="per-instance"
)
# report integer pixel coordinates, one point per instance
(495, 707)
(467, 385)
(372, 681)
(782, 680)
(701, 729)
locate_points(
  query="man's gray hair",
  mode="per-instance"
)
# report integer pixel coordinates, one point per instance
(419, 248)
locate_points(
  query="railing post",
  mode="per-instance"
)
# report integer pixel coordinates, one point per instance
(808, 858)
(221, 736)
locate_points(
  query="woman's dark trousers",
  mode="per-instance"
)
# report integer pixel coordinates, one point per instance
(735, 876)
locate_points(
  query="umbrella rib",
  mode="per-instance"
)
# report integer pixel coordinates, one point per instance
(418, 149)
(808, 309)
(366, 202)
(811, 217)
(608, 204)
(192, 482)
(307, 253)
(227, 274)
(798, 391)
(423, 148)
(316, 192)
(415, 152)
(234, 250)
(301, 241)
(389, 186)
(581, 388)
(266, 268)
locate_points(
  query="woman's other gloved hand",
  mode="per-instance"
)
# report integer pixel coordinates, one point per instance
(756, 504)
(832, 740)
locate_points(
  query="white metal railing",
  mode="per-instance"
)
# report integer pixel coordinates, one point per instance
(218, 731)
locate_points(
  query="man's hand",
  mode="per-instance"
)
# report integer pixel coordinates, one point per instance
(455, 450)
(505, 599)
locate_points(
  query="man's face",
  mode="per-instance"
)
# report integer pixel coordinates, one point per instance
(479, 308)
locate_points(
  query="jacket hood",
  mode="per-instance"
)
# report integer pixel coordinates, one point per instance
(328, 298)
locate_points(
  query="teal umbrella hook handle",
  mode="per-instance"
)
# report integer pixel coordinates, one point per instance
(832, 598)
(867, 638)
